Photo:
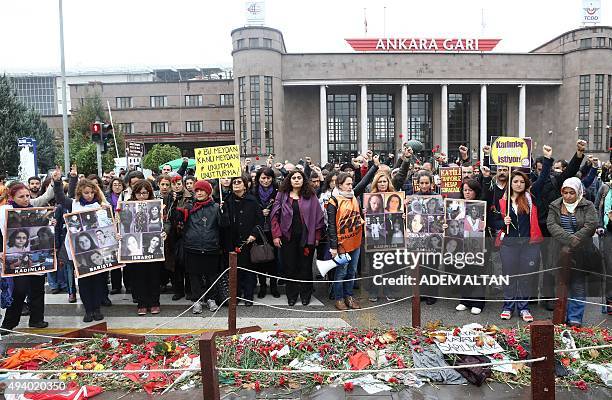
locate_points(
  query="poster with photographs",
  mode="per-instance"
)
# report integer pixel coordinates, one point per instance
(93, 241)
(141, 227)
(29, 243)
(466, 220)
(424, 223)
(384, 216)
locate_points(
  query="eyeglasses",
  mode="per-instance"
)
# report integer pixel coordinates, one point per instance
(142, 194)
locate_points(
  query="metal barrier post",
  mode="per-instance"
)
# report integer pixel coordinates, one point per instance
(562, 287)
(543, 372)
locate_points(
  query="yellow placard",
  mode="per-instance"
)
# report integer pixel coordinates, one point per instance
(217, 162)
(511, 151)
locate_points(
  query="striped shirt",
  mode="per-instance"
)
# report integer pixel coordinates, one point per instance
(568, 223)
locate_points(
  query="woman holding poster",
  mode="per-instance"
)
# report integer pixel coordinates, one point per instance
(345, 230)
(32, 286)
(92, 288)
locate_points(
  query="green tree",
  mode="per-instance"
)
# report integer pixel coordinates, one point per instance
(16, 120)
(82, 149)
(160, 154)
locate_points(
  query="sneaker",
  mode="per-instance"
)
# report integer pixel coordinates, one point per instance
(373, 299)
(212, 306)
(390, 298)
(155, 310)
(72, 298)
(56, 291)
(476, 310)
(526, 315)
(506, 314)
(142, 311)
(461, 307)
(197, 308)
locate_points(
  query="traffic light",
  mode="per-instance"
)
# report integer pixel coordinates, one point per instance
(107, 133)
(96, 132)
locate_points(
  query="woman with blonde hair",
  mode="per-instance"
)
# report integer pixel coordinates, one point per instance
(88, 195)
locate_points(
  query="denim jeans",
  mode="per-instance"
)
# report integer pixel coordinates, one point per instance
(57, 279)
(519, 260)
(577, 290)
(347, 271)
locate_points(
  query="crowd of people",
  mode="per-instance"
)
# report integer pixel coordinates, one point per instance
(309, 211)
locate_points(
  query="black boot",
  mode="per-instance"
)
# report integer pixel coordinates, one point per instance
(262, 291)
(274, 289)
(97, 315)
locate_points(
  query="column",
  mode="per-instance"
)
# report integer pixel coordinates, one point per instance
(404, 114)
(521, 121)
(483, 119)
(444, 119)
(363, 119)
(323, 123)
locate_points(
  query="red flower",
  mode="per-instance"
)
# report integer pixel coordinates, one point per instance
(581, 384)
(257, 158)
(456, 332)
(237, 250)
(393, 380)
(306, 251)
(317, 378)
(348, 386)
(257, 386)
(282, 381)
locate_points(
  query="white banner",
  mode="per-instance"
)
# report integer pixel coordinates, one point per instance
(591, 11)
(255, 12)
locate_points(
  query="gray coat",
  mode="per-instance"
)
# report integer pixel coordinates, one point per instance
(586, 223)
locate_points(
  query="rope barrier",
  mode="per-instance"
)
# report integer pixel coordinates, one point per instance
(324, 311)
(270, 371)
(376, 371)
(190, 307)
(587, 302)
(322, 281)
(604, 346)
(592, 272)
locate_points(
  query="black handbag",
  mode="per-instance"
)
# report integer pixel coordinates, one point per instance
(262, 253)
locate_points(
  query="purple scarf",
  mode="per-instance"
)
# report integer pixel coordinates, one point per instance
(265, 194)
(114, 198)
(310, 210)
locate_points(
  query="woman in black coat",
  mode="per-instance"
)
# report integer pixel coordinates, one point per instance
(264, 190)
(243, 217)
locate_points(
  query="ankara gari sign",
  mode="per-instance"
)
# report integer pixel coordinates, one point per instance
(423, 44)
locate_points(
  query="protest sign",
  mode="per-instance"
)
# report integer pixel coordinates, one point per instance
(510, 151)
(384, 216)
(469, 343)
(140, 228)
(29, 243)
(466, 220)
(450, 182)
(424, 223)
(217, 162)
(93, 241)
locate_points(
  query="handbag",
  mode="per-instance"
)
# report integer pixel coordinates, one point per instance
(262, 253)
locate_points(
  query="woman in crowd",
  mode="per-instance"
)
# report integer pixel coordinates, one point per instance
(145, 284)
(297, 223)
(164, 183)
(344, 230)
(519, 237)
(222, 190)
(471, 190)
(202, 244)
(572, 221)
(92, 289)
(179, 198)
(264, 190)
(243, 219)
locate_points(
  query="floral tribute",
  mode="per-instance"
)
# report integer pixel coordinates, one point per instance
(312, 351)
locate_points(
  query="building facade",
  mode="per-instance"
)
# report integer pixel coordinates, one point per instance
(334, 106)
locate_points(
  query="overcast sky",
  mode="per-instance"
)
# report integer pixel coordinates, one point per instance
(133, 34)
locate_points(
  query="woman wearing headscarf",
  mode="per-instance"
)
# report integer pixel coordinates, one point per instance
(297, 224)
(572, 221)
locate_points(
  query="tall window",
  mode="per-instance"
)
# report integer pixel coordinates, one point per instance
(36, 92)
(341, 127)
(420, 119)
(253, 42)
(497, 106)
(584, 107)
(193, 100)
(381, 124)
(458, 123)
(585, 43)
(226, 99)
(268, 120)
(227, 125)
(159, 127)
(126, 127)
(601, 42)
(255, 116)
(123, 102)
(598, 123)
(267, 43)
(159, 101)
(242, 111)
(193, 126)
